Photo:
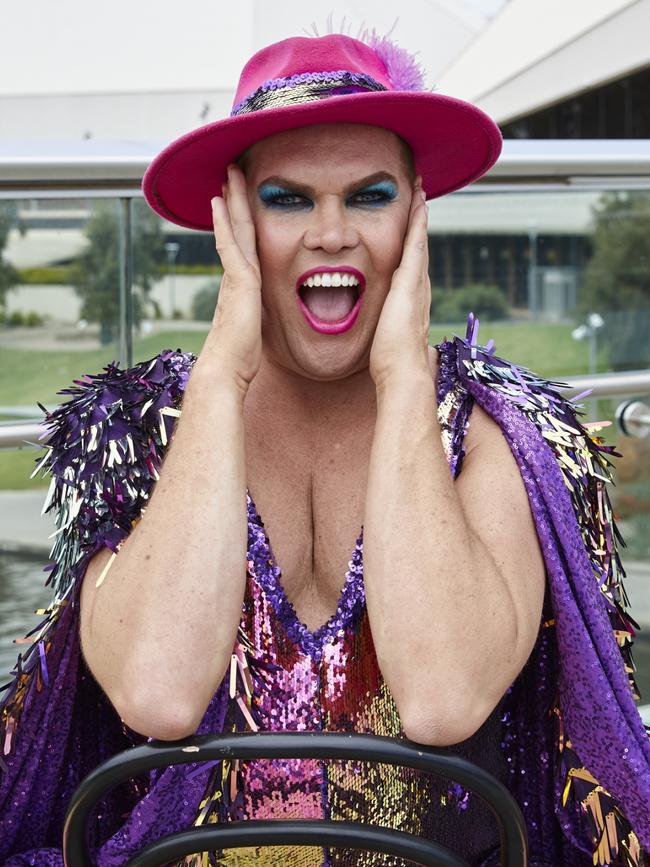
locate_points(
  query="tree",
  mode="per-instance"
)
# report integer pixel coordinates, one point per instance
(205, 300)
(617, 277)
(96, 273)
(9, 277)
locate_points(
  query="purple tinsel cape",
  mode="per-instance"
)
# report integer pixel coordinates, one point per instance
(577, 750)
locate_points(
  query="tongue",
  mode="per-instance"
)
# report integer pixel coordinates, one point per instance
(329, 303)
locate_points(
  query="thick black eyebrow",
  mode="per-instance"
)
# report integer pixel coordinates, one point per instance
(279, 181)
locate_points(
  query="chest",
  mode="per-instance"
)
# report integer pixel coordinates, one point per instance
(311, 499)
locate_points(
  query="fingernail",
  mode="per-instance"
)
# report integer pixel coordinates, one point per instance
(424, 196)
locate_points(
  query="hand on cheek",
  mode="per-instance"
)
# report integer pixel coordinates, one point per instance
(400, 345)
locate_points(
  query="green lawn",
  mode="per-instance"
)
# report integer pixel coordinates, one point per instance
(16, 467)
(28, 377)
(546, 348)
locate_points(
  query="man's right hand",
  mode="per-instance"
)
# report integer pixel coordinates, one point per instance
(235, 339)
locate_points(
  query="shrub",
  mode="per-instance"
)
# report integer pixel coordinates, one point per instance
(205, 301)
(16, 318)
(157, 309)
(453, 305)
(59, 274)
(33, 318)
(196, 270)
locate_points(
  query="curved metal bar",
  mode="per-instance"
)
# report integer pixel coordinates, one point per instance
(85, 167)
(29, 432)
(297, 832)
(287, 745)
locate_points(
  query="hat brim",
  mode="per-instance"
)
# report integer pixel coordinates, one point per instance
(453, 144)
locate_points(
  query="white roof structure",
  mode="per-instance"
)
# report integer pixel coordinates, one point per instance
(153, 69)
(542, 213)
(533, 54)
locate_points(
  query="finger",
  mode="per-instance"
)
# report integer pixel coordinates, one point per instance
(240, 213)
(415, 248)
(232, 258)
(425, 284)
(426, 281)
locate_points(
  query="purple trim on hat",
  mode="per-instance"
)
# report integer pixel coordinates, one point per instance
(342, 80)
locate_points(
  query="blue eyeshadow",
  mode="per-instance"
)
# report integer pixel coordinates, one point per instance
(269, 192)
(386, 187)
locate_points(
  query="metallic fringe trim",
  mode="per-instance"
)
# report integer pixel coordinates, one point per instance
(105, 446)
(585, 464)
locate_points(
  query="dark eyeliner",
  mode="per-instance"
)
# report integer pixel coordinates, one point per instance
(268, 193)
(387, 189)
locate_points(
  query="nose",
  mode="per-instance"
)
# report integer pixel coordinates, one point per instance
(330, 226)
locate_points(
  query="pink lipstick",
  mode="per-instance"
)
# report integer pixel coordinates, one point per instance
(340, 325)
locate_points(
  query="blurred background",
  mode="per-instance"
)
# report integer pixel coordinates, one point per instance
(551, 249)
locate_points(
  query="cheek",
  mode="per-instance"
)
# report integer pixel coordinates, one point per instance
(273, 245)
(388, 249)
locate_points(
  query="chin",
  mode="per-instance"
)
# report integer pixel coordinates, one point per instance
(330, 362)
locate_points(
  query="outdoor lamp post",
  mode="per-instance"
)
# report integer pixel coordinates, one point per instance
(172, 248)
(589, 330)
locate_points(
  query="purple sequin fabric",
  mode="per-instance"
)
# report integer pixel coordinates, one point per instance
(566, 738)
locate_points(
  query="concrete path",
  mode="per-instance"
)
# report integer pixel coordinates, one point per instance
(22, 527)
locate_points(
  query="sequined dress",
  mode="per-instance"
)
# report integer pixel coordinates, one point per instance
(329, 680)
(567, 738)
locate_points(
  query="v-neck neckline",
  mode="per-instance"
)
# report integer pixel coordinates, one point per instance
(352, 598)
(269, 575)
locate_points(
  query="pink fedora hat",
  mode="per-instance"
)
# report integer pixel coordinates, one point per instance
(336, 78)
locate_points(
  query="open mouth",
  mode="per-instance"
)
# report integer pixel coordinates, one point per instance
(329, 303)
(330, 297)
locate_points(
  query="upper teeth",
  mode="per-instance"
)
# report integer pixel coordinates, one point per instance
(331, 278)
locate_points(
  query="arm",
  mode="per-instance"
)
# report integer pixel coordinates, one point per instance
(453, 570)
(164, 622)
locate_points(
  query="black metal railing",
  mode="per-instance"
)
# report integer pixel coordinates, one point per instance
(308, 832)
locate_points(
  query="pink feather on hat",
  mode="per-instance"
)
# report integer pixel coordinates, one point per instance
(404, 71)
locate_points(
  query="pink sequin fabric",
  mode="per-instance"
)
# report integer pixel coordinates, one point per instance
(329, 680)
